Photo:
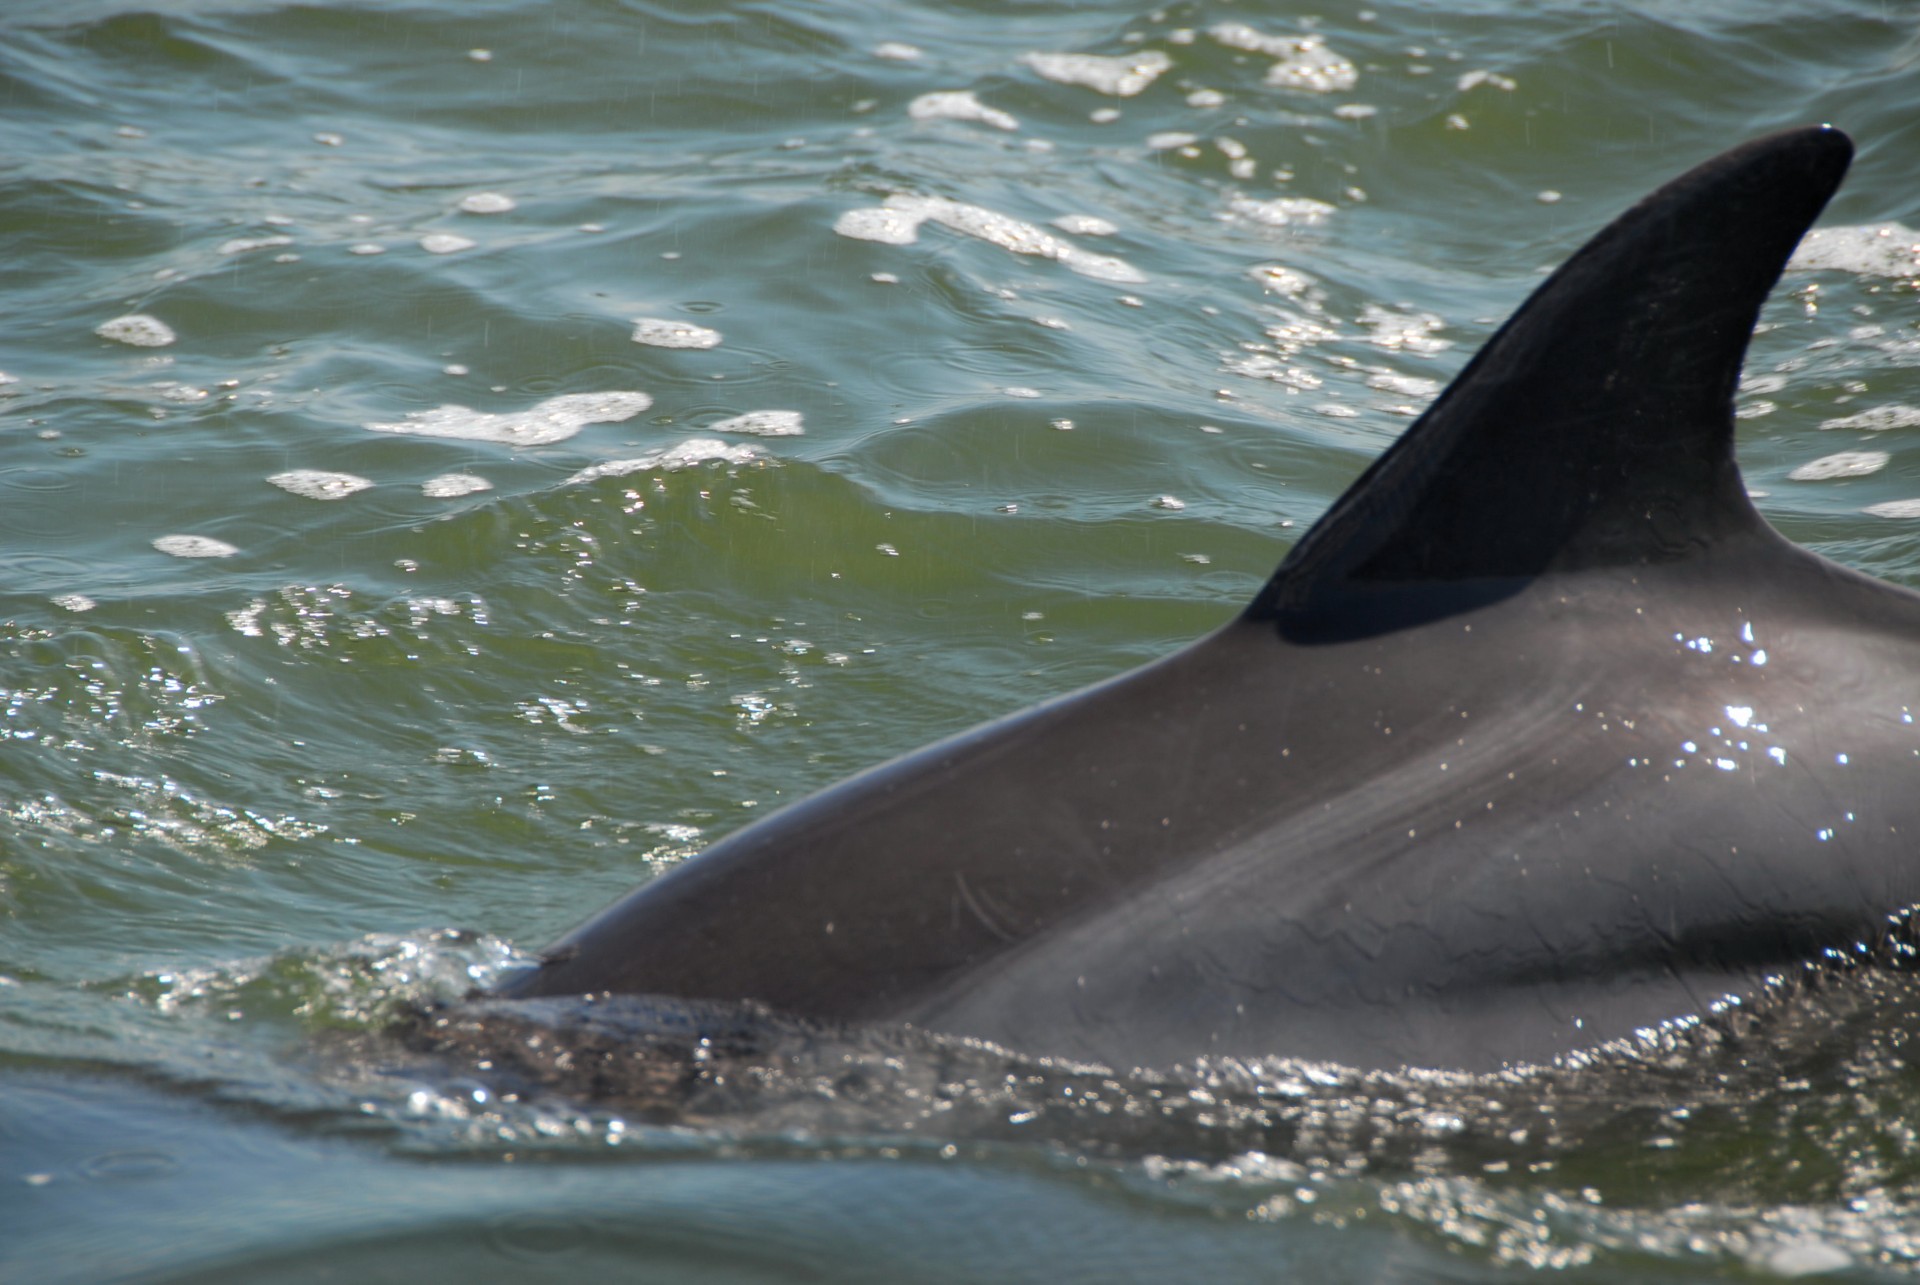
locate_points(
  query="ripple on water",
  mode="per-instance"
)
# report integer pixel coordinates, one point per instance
(360, 983)
(48, 510)
(1535, 1166)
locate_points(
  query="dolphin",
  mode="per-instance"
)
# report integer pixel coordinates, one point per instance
(1540, 737)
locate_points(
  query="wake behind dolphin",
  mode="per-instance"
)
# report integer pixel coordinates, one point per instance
(1540, 736)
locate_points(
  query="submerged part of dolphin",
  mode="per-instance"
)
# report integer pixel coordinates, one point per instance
(1542, 735)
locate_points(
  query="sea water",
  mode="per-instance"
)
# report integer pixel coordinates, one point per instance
(459, 459)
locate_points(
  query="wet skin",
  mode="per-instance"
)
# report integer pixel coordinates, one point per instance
(1541, 735)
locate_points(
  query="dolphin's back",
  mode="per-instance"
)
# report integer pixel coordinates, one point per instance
(1539, 736)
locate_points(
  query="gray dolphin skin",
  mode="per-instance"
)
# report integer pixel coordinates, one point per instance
(1540, 736)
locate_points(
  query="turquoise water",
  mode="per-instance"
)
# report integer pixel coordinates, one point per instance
(401, 728)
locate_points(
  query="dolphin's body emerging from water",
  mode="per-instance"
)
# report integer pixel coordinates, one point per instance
(1540, 736)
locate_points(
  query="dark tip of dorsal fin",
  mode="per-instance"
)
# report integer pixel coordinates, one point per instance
(1595, 428)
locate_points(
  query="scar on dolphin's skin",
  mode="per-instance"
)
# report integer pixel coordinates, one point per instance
(1644, 753)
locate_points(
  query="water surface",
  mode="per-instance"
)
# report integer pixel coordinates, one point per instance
(583, 426)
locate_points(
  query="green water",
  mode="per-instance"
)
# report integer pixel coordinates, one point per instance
(247, 800)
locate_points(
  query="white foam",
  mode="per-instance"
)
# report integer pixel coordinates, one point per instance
(959, 104)
(1473, 79)
(242, 244)
(1315, 70)
(1281, 212)
(1404, 385)
(1305, 63)
(696, 450)
(1260, 365)
(898, 221)
(367, 247)
(1806, 1256)
(1895, 509)
(445, 243)
(1280, 279)
(661, 332)
(75, 602)
(1878, 419)
(1399, 331)
(194, 546)
(1238, 35)
(761, 423)
(451, 486)
(317, 484)
(1871, 250)
(487, 203)
(1121, 77)
(898, 51)
(878, 223)
(1842, 464)
(553, 420)
(137, 329)
(1085, 225)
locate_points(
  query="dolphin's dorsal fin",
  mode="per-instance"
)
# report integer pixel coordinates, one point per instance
(1594, 429)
